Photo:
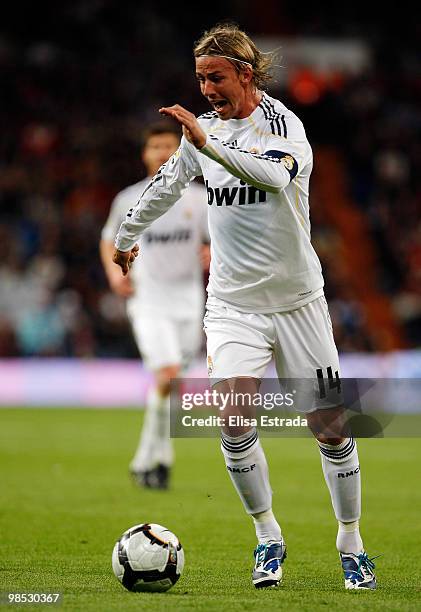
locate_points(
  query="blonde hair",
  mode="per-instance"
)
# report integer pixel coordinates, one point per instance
(227, 40)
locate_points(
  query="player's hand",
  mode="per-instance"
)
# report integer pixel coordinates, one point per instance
(204, 256)
(121, 285)
(125, 259)
(191, 128)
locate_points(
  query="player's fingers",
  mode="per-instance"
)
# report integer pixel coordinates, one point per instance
(128, 263)
(178, 112)
(170, 110)
(174, 107)
(172, 113)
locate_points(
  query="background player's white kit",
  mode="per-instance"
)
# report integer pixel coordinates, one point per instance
(166, 308)
(168, 279)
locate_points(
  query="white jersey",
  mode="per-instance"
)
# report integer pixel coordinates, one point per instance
(257, 173)
(167, 275)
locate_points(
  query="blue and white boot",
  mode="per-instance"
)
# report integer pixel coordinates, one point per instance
(358, 571)
(267, 571)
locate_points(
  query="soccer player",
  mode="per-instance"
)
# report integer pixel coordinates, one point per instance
(265, 292)
(165, 295)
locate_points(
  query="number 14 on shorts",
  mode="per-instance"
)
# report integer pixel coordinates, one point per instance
(334, 382)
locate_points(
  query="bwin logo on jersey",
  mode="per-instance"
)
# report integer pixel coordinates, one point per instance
(227, 196)
(237, 470)
(182, 235)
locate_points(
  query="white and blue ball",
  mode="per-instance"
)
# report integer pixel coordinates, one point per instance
(148, 557)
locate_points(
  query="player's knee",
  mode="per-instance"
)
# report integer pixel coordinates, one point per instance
(235, 426)
(329, 426)
(164, 376)
(333, 441)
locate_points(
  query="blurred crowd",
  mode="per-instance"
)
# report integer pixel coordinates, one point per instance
(77, 91)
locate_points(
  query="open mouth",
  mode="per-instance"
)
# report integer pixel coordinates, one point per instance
(219, 105)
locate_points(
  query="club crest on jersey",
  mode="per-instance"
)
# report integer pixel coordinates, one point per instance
(288, 161)
(210, 365)
(227, 196)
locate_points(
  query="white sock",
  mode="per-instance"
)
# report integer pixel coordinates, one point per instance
(155, 445)
(348, 539)
(164, 451)
(341, 470)
(247, 467)
(267, 527)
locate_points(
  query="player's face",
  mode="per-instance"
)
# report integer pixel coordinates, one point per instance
(225, 89)
(158, 150)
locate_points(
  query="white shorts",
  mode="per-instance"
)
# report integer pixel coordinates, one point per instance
(300, 342)
(164, 341)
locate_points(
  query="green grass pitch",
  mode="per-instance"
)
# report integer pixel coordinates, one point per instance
(66, 497)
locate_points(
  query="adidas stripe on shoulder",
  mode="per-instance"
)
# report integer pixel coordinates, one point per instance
(276, 119)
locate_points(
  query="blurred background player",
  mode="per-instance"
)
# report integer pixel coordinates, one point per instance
(165, 295)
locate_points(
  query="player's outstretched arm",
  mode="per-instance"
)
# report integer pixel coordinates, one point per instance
(271, 171)
(163, 191)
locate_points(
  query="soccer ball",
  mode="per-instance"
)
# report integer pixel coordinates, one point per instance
(148, 557)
